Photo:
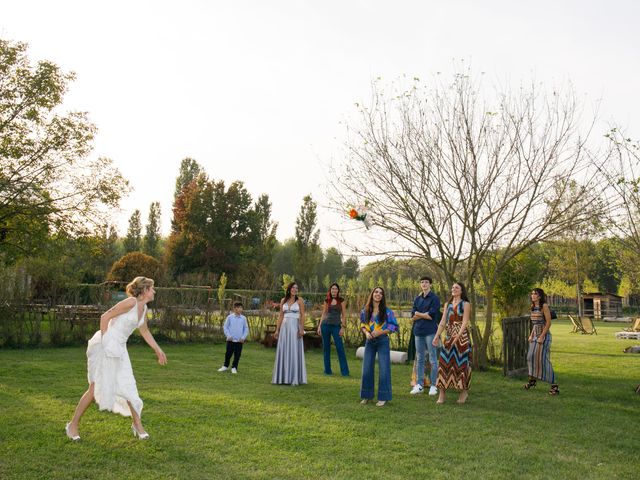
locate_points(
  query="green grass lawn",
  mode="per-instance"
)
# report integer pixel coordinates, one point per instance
(205, 424)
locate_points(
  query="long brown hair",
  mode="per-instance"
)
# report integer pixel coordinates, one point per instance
(287, 294)
(463, 293)
(329, 298)
(542, 298)
(382, 307)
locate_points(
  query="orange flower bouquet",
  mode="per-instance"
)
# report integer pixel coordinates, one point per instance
(361, 214)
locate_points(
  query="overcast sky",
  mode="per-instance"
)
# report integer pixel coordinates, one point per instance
(257, 90)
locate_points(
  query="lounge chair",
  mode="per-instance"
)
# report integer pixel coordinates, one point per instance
(577, 324)
(635, 326)
(589, 327)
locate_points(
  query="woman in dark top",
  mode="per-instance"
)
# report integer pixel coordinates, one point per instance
(332, 323)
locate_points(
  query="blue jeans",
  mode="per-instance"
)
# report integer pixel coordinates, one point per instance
(379, 345)
(425, 342)
(328, 331)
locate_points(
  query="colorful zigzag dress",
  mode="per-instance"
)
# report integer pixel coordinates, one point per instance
(454, 364)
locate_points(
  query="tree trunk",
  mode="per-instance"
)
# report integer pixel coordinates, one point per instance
(483, 360)
(479, 356)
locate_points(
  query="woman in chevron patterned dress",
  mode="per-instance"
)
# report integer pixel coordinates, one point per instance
(539, 354)
(454, 364)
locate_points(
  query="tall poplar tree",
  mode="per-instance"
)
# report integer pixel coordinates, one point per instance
(307, 253)
(152, 235)
(133, 240)
(188, 172)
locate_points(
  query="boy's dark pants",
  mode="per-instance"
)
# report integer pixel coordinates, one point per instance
(235, 349)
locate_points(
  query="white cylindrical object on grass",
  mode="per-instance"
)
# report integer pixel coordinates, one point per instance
(396, 356)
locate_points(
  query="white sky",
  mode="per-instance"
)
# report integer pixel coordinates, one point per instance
(256, 90)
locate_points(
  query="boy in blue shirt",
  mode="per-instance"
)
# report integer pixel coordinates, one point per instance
(236, 329)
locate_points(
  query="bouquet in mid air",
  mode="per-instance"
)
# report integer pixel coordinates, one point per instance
(362, 214)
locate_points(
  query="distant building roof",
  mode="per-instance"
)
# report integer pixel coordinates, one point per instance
(601, 294)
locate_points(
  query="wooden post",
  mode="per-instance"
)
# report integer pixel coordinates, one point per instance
(515, 332)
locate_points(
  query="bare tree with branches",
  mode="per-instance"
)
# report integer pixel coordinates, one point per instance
(464, 181)
(621, 170)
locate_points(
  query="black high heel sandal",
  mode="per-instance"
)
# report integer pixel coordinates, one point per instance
(554, 390)
(530, 384)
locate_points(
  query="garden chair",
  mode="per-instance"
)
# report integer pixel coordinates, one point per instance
(269, 339)
(311, 338)
(577, 324)
(635, 327)
(589, 327)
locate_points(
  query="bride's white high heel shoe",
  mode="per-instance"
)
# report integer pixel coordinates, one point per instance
(136, 433)
(74, 438)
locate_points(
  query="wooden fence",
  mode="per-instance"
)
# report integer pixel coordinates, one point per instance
(40, 325)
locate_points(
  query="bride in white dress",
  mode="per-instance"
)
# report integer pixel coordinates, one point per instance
(111, 381)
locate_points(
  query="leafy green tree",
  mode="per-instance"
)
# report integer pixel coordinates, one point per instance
(221, 229)
(48, 183)
(313, 284)
(90, 257)
(152, 235)
(189, 170)
(515, 281)
(307, 253)
(630, 270)
(331, 264)
(48, 278)
(351, 267)
(554, 286)
(256, 254)
(133, 240)
(64, 260)
(625, 288)
(606, 268)
(571, 261)
(282, 260)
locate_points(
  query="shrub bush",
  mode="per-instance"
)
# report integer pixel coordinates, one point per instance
(133, 265)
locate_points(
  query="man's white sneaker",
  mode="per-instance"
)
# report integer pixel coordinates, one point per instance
(223, 369)
(233, 370)
(417, 389)
(433, 390)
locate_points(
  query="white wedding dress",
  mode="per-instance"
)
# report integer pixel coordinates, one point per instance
(109, 366)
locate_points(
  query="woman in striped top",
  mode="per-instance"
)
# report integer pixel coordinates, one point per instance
(539, 355)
